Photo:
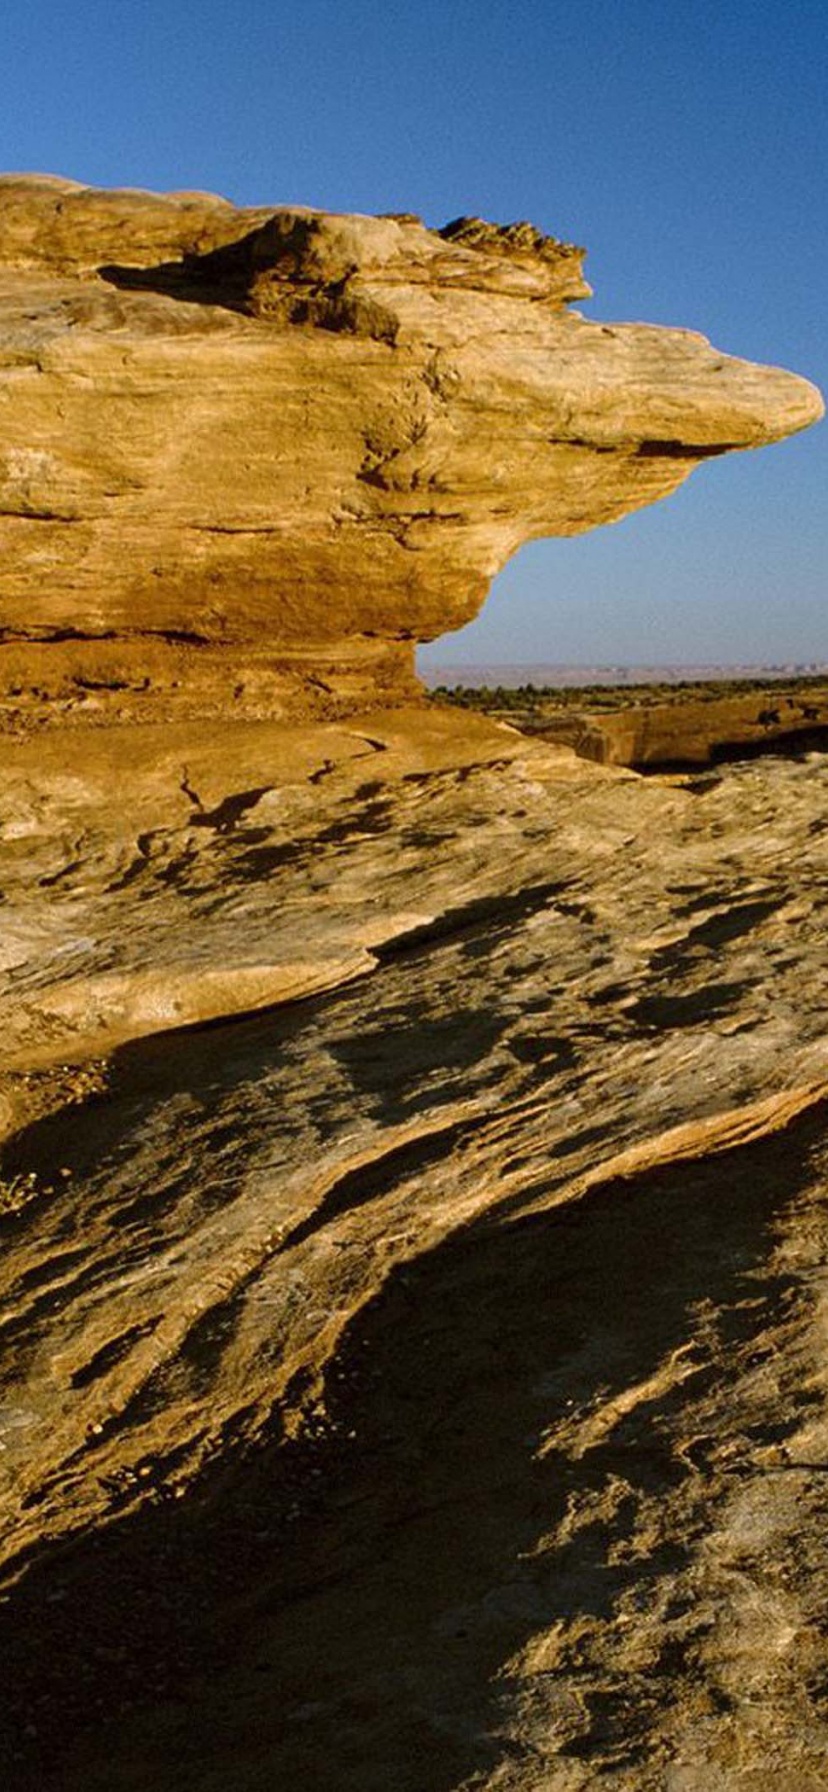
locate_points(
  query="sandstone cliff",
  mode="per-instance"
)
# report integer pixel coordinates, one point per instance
(249, 458)
(415, 1376)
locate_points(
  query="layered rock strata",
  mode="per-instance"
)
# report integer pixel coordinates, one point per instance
(413, 1191)
(684, 730)
(708, 730)
(426, 1375)
(250, 457)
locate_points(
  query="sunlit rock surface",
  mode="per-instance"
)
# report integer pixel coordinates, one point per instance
(413, 1191)
(249, 458)
(436, 1362)
(696, 726)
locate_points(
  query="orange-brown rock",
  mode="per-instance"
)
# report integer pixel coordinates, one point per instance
(708, 729)
(433, 1369)
(250, 457)
(412, 1198)
(692, 727)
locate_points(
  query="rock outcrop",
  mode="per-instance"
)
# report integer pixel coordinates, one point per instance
(427, 1376)
(250, 457)
(413, 1191)
(708, 729)
(693, 727)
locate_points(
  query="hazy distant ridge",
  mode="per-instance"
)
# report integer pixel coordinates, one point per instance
(543, 673)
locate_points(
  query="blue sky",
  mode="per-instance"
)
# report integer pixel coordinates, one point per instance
(684, 145)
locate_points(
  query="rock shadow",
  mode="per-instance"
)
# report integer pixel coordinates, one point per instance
(219, 277)
(339, 1612)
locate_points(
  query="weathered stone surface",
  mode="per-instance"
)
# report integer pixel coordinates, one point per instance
(701, 732)
(413, 1193)
(427, 1376)
(248, 458)
(690, 728)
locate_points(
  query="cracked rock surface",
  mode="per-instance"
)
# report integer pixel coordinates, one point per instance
(413, 1206)
(420, 1379)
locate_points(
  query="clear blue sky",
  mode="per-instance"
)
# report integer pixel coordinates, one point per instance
(684, 145)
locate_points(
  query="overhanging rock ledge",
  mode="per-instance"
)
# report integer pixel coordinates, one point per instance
(250, 457)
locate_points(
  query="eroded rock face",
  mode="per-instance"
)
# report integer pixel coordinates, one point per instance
(250, 457)
(443, 1352)
(693, 728)
(415, 1376)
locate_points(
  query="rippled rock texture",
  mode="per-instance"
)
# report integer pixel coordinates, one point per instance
(250, 457)
(421, 1382)
(413, 1191)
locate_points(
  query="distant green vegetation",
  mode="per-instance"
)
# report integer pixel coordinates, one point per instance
(529, 704)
